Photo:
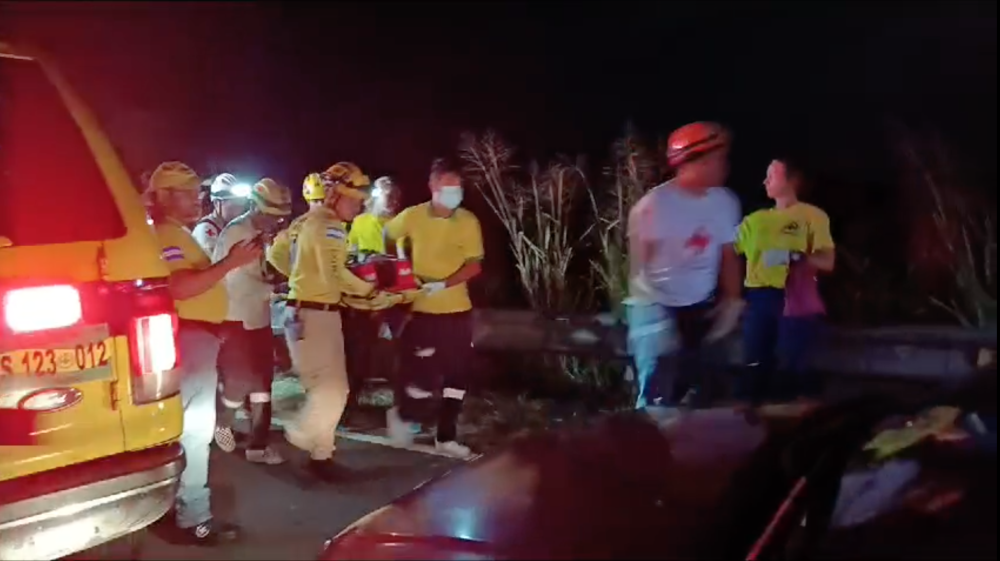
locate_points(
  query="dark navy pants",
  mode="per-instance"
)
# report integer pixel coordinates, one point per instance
(761, 322)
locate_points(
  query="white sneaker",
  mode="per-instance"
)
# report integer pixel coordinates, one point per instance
(400, 432)
(267, 456)
(225, 439)
(453, 449)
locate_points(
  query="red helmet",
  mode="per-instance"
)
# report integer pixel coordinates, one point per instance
(693, 139)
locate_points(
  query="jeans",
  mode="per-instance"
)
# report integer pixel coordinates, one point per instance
(665, 345)
(761, 321)
(798, 338)
(198, 348)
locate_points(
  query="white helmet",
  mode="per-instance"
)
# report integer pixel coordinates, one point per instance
(225, 187)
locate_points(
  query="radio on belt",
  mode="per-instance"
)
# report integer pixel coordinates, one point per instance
(392, 274)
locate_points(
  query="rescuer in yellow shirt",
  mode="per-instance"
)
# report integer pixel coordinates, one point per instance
(788, 237)
(279, 250)
(200, 295)
(436, 344)
(319, 284)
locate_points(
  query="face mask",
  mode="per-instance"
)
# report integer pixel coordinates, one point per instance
(449, 197)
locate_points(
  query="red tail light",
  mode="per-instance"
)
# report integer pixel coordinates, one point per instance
(153, 339)
(155, 374)
(39, 308)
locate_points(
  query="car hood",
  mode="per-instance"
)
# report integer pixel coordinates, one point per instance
(604, 490)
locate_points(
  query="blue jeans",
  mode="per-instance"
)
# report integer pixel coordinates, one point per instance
(665, 345)
(761, 321)
(798, 338)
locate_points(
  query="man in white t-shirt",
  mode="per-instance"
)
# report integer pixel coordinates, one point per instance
(228, 199)
(246, 359)
(685, 276)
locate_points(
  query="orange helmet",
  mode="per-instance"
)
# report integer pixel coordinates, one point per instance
(693, 139)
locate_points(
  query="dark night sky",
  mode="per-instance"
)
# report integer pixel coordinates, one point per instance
(287, 88)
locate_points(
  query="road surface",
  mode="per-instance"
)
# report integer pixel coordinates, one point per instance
(287, 515)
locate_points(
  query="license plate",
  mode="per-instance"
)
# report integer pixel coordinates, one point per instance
(44, 363)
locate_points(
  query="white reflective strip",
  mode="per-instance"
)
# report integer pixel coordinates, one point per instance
(652, 329)
(417, 393)
(425, 353)
(232, 404)
(452, 393)
(260, 397)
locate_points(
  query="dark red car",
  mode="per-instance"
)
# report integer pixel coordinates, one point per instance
(786, 482)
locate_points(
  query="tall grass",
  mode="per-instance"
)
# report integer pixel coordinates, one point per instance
(632, 172)
(537, 207)
(963, 238)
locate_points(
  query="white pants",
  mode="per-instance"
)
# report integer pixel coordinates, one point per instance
(198, 350)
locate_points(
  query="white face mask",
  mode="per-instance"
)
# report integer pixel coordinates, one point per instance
(449, 197)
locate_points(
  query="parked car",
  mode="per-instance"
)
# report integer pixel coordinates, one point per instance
(88, 378)
(779, 482)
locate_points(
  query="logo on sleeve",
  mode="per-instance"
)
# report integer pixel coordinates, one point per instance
(335, 233)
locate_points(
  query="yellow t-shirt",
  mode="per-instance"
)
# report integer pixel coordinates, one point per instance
(181, 252)
(767, 237)
(366, 233)
(318, 261)
(441, 246)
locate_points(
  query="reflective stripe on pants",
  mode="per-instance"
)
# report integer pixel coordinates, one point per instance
(320, 361)
(198, 350)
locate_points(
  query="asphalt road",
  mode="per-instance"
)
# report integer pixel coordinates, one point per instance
(287, 515)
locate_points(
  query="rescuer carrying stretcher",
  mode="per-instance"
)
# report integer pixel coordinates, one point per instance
(320, 283)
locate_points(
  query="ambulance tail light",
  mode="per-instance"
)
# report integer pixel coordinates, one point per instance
(153, 345)
(40, 308)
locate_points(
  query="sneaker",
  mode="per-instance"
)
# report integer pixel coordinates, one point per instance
(453, 449)
(225, 439)
(400, 431)
(268, 456)
(208, 534)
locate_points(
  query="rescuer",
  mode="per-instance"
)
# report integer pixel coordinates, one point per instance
(246, 360)
(200, 296)
(228, 200)
(684, 273)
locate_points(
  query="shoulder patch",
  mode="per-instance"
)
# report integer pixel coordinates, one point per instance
(172, 253)
(335, 233)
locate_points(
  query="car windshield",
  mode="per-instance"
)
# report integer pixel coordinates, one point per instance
(51, 188)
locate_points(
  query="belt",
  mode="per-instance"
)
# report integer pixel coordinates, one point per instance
(306, 305)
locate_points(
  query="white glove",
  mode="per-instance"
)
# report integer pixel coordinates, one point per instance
(432, 287)
(726, 318)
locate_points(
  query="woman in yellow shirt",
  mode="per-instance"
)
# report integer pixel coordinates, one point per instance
(788, 242)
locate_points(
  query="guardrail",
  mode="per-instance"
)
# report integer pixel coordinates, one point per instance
(904, 351)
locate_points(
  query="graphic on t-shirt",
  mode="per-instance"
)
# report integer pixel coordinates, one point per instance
(698, 242)
(792, 228)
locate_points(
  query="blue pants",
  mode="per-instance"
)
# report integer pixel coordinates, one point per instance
(761, 322)
(798, 338)
(665, 345)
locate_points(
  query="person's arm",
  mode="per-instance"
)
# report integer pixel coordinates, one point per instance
(188, 283)
(639, 249)
(331, 251)
(731, 267)
(472, 251)
(822, 255)
(395, 230)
